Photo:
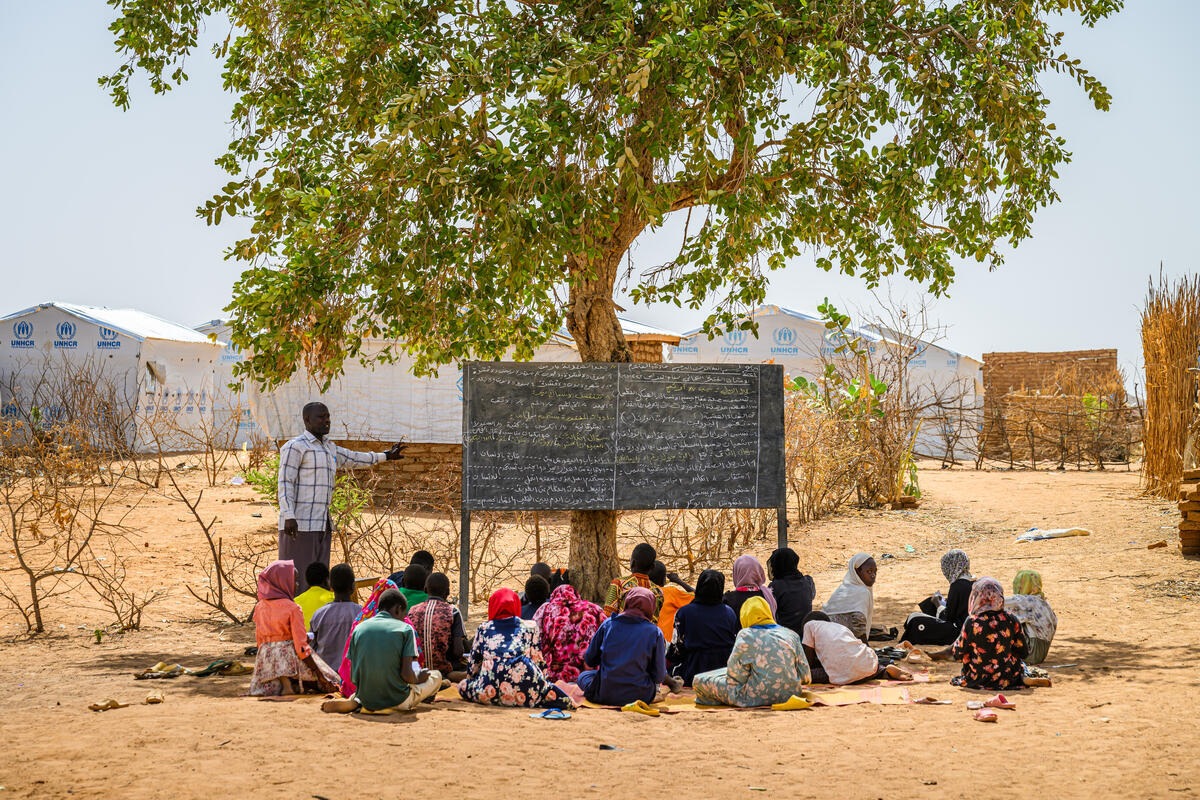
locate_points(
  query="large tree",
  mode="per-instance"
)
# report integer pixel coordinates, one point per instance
(466, 176)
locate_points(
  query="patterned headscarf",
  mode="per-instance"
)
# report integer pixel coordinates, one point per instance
(371, 608)
(986, 595)
(639, 603)
(1028, 581)
(956, 564)
(748, 574)
(504, 603)
(755, 613)
(277, 581)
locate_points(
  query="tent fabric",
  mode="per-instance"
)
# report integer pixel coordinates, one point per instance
(133, 323)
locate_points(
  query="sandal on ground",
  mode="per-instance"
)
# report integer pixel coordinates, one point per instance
(999, 701)
(794, 703)
(641, 707)
(551, 713)
(987, 715)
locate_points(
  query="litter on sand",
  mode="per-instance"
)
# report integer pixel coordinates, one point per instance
(106, 704)
(1037, 534)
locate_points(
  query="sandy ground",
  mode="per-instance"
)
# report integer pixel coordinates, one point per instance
(1119, 721)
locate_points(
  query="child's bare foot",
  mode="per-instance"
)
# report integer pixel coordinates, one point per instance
(895, 673)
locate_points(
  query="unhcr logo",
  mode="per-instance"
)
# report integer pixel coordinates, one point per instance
(785, 342)
(22, 335)
(108, 340)
(66, 336)
(735, 342)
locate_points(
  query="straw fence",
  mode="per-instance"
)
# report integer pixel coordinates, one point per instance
(1170, 344)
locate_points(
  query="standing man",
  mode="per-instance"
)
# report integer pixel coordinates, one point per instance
(308, 466)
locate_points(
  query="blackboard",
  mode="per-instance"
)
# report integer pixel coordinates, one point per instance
(622, 436)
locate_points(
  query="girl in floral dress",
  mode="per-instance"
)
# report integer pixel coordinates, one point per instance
(504, 667)
(767, 664)
(992, 644)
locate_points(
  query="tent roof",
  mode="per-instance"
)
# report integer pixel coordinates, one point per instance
(636, 330)
(767, 310)
(129, 321)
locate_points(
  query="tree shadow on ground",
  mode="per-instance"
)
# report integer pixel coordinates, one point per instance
(127, 663)
(1099, 655)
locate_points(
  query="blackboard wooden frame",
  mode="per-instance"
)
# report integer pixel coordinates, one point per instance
(569, 436)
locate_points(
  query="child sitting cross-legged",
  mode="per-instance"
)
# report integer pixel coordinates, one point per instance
(439, 626)
(835, 655)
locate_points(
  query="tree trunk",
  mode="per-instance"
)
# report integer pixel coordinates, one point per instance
(592, 322)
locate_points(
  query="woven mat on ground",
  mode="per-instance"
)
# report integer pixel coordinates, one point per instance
(885, 693)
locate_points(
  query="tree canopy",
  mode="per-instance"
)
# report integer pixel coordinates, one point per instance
(466, 176)
(463, 177)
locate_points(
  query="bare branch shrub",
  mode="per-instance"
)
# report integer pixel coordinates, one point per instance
(108, 577)
(56, 511)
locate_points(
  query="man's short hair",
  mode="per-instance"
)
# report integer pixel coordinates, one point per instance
(341, 579)
(438, 585)
(393, 603)
(424, 558)
(415, 576)
(814, 616)
(658, 574)
(309, 408)
(541, 568)
(537, 590)
(316, 574)
(642, 558)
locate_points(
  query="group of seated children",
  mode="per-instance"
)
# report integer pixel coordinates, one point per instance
(754, 645)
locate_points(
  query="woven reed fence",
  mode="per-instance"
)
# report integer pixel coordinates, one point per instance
(1170, 346)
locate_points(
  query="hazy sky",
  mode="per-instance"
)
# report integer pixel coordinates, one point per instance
(98, 204)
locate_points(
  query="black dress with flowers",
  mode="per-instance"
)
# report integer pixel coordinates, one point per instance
(991, 648)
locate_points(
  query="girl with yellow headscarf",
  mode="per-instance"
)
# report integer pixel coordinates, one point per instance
(767, 664)
(1029, 606)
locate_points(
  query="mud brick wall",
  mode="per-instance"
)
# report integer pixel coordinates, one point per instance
(1008, 372)
(647, 352)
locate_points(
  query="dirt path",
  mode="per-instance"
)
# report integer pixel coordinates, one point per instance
(1120, 722)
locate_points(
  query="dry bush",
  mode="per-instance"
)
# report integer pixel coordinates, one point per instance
(108, 577)
(691, 540)
(58, 513)
(822, 459)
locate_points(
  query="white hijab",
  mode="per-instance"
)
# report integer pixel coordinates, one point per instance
(853, 595)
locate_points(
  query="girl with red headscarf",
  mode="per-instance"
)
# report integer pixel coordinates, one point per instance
(285, 662)
(504, 667)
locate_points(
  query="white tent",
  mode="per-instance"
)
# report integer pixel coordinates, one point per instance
(233, 418)
(147, 381)
(385, 401)
(800, 342)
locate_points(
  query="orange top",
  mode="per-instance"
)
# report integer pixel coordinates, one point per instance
(674, 599)
(281, 621)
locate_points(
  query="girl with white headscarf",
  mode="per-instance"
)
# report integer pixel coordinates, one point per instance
(853, 602)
